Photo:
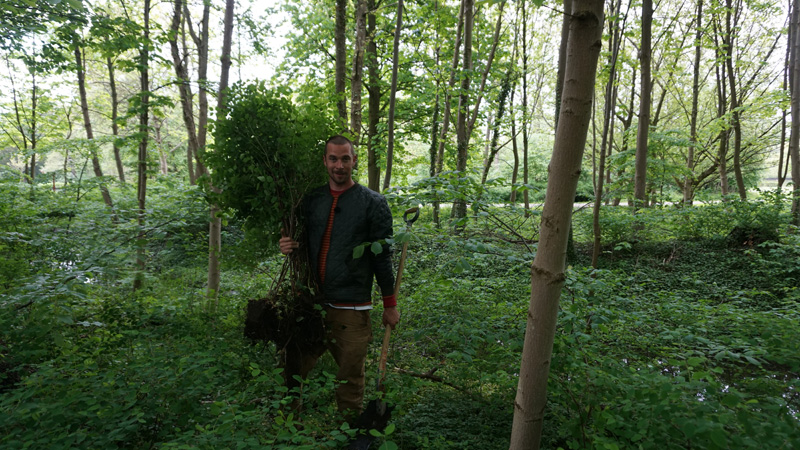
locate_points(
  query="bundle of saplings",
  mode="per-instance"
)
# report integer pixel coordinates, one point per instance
(267, 155)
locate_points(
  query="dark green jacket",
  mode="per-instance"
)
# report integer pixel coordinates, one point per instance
(361, 215)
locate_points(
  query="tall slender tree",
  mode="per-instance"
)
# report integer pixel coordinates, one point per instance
(141, 166)
(547, 270)
(393, 96)
(642, 136)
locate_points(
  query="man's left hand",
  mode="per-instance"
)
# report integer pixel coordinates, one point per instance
(391, 316)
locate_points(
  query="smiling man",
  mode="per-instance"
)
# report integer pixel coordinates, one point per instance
(338, 217)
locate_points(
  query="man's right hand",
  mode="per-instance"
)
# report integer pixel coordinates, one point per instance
(288, 245)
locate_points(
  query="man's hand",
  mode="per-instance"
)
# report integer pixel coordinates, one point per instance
(287, 245)
(391, 316)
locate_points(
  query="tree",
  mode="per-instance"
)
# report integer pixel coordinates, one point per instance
(794, 137)
(393, 95)
(547, 270)
(645, 53)
(341, 59)
(141, 167)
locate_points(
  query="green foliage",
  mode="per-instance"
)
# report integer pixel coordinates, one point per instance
(267, 155)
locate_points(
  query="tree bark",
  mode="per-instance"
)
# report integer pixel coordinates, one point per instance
(141, 186)
(374, 90)
(610, 102)
(341, 59)
(547, 270)
(794, 137)
(392, 96)
(357, 78)
(688, 184)
(462, 136)
(447, 99)
(640, 176)
(735, 124)
(184, 90)
(114, 116)
(201, 42)
(87, 122)
(215, 222)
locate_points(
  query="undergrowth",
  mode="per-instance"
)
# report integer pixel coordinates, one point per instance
(680, 339)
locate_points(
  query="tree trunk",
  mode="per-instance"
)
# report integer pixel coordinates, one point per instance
(462, 136)
(610, 102)
(392, 96)
(794, 136)
(114, 115)
(447, 99)
(341, 59)
(357, 78)
(688, 184)
(374, 90)
(141, 186)
(735, 124)
(547, 270)
(201, 42)
(87, 123)
(215, 222)
(525, 181)
(640, 176)
(185, 91)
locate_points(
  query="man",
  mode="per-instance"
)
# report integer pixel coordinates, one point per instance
(338, 217)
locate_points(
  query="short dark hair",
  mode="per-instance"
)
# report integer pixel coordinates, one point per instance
(339, 140)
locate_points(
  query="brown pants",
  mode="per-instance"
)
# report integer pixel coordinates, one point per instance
(349, 333)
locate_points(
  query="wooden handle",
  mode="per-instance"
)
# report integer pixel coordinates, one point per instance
(384, 353)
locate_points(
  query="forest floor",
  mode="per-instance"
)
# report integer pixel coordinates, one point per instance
(670, 343)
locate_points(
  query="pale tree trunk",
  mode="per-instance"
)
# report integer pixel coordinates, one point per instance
(18, 124)
(610, 102)
(462, 136)
(547, 271)
(114, 115)
(392, 97)
(215, 222)
(722, 108)
(374, 90)
(357, 78)
(737, 128)
(184, 90)
(341, 59)
(688, 184)
(640, 176)
(514, 149)
(87, 122)
(794, 137)
(141, 186)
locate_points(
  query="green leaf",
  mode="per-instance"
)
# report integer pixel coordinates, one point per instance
(376, 248)
(719, 438)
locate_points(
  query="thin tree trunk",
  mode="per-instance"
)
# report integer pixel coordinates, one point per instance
(357, 78)
(141, 187)
(447, 99)
(87, 123)
(547, 270)
(462, 136)
(640, 176)
(185, 91)
(374, 90)
(735, 124)
(525, 181)
(341, 59)
(215, 222)
(392, 97)
(610, 102)
(201, 42)
(688, 184)
(794, 136)
(114, 116)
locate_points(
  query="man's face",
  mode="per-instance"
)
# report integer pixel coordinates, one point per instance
(339, 161)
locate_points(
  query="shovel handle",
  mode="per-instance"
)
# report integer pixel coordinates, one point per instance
(384, 353)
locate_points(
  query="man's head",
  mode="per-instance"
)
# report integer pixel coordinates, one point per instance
(339, 160)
